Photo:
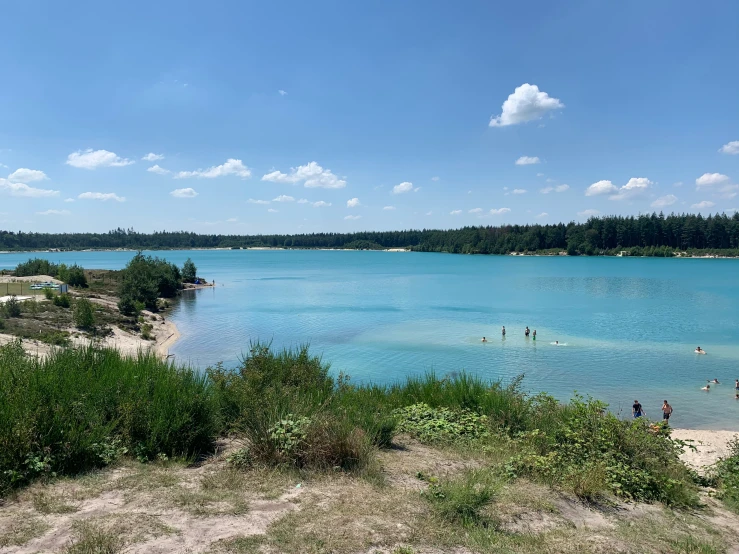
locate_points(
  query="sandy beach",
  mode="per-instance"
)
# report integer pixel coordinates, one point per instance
(709, 446)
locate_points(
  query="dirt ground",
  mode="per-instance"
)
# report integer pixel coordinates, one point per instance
(213, 508)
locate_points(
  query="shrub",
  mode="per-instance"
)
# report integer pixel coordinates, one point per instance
(441, 424)
(462, 500)
(144, 280)
(36, 266)
(84, 314)
(189, 271)
(146, 330)
(726, 476)
(62, 300)
(49, 293)
(12, 307)
(76, 277)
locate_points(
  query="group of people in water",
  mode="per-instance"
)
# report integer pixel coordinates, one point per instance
(526, 333)
(637, 410)
(717, 382)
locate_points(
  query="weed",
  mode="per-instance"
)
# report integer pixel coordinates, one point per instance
(22, 530)
(93, 539)
(462, 500)
(46, 503)
(441, 424)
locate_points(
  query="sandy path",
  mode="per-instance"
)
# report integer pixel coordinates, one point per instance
(710, 446)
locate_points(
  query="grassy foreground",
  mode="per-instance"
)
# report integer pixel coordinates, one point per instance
(83, 409)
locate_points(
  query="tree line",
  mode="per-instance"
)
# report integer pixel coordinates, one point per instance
(649, 234)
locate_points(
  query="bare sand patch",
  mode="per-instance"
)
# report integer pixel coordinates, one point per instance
(709, 446)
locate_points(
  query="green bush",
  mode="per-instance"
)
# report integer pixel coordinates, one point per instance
(144, 280)
(83, 314)
(49, 293)
(189, 271)
(12, 307)
(441, 424)
(62, 300)
(36, 266)
(463, 499)
(725, 474)
(76, 277)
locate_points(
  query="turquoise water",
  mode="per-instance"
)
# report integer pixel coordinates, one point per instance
(630, 325)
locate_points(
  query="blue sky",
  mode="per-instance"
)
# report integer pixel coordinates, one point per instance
(380, 115)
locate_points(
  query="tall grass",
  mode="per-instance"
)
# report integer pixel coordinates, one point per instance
(80, 408)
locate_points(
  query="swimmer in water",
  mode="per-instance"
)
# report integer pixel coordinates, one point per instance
(484, 339)
(699, 350)
(504, 330)
(713, 381)
(707, 387)
(527, 331)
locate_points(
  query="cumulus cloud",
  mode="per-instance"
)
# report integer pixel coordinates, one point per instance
(388, 208)
(303, 201)
(542, 215)
(353, 217)
(455, 212)
(231, 167)
(729, 191)
(405, 187)
(272, 211)
(321, 204)
(69, 200)
(281, 92)
(710, 179)
(24, 175)
(312, 175)
(526, 103)
(102, 196)
(588, 213)
(352, 203)
(158, 170)
(703, 205)
(600, 188)
(184, 193)
(499, 211)
(519, 191)
(22, 189)
(93, 159)
(527, 160)
(232, 220)
(475, 211)
(664, 201)
(634, 187)
(540, 175)
(152, 157)
(283, 198)
(54, 212)
(558, 188)
(731, 148)
(252, 201)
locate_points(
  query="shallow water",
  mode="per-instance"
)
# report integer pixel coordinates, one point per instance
(628, 327)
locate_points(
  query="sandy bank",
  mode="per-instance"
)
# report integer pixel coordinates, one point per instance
(30, 279)
(709, 446)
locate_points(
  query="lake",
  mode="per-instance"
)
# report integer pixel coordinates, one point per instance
(627, 326)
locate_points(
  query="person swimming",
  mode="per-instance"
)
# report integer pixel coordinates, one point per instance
(556, 342)
(527, 331)
(484, 339)
(707, 387)
(699, 350)
(504, 330)
(713, 381)
(534, 334)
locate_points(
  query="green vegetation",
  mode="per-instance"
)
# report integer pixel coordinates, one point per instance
(645, 235)
(726, 477)
(144, 280)
(189, 271)
(11, 307)
(36, 266)
(83, 314)
(74, 276)
(62, 300)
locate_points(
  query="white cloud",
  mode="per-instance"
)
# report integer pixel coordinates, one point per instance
(540, 175)
(69, 200)
(710, 179)
(551, 180)
(353, 217)
(434, 178)
(526, 103)
(703, 205)
(232, 220)
(528, 160)
(499, 211)
(321, 204)
(303, 201)
(313, 175)
(272, 211)
(158, 170)
(103, 196)
(405, 187)
(24, 175)
(152, 157)
(388, 208)
(184, 193)
(634, 187)
(93, 159)
(664, 201)
(731, 148)
(601, 187)
(729, 191)
(54, 212)
(282, 92)
(353, 203)
(231, 167)
(455, 212)
(283, 198)
(561, 188)
(21, 189)
(542, 215)
(475, 211)
(519, 191)
(252, 201)
(588, 213)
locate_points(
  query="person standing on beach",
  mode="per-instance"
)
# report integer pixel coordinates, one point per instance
(637, 410)
(666, 411)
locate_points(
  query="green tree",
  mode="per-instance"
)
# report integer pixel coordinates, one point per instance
(12, 307)
(144, 280)
(83, 314)
(76, 277)
(189, 271)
